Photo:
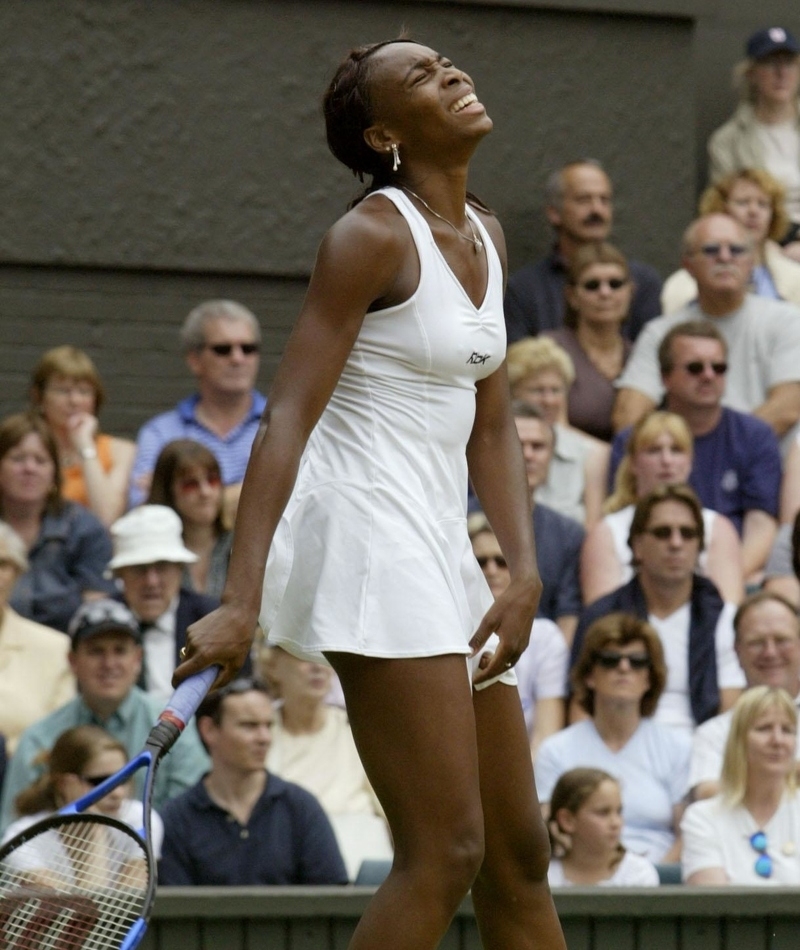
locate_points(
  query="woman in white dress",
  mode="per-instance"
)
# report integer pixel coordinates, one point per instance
(391, 393)
(750, 832)
(658, 452)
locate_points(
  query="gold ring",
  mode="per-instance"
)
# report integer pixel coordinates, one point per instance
(184, 654)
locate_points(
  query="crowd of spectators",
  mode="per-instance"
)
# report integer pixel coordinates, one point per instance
(659, 430)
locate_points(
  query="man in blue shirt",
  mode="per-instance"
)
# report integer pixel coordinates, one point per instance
(736, 468)
(106, 658)
(221, 341)
(240, 824)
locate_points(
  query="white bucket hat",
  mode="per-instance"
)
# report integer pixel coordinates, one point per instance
(148, 534)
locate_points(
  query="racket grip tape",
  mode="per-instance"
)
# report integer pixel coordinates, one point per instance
(188, 696)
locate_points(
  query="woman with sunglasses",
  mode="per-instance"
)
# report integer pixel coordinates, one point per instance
(756, 200)
(391, 394)
(187, 478)
(749, 834)
(658, 452)
(67, 390)
(598, 292)
(617, 681)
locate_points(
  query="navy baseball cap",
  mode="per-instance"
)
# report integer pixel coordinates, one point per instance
(102, 616)
(770, 40)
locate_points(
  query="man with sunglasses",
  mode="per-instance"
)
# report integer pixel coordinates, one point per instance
(694, 624)
(736, 468)
(762, 335)
(221, 341)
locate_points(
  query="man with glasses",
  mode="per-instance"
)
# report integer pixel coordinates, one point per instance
(579, 206)
(694, 624)
(737, 462)
(221, 341)
(762, 335)
(767, 643)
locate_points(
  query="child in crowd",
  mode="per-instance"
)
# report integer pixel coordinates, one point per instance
(585, 829)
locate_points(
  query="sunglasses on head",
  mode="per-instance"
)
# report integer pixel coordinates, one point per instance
(610, 659)
(713, 250)
(225, 349)
(595, 283)
(663, 532)
(498, 559)
(763, 865)
(696, 367)
(95, 780)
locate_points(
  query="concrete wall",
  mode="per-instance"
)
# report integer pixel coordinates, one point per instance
(155, 154)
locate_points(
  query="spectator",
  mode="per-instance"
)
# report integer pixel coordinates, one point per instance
(579, 207)
(67, 546)
(585, 834)
(658, 452)
(736, 463)
(542, 668)
(694, 623)
(106, 658)
(748, 833)
(221, 340)
(756, 200)
(148, 562)
(80, 759)
(617, 680)
(188, 480)
(541, 373)
(558, 538)
(36, 678)
(241, 824)
(598, 292)
(312, 746)
(764, 132)
(782, 573)
(95, 468)
(763, 335)
(768, 646)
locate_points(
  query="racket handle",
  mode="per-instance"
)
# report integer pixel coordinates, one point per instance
(188, 696)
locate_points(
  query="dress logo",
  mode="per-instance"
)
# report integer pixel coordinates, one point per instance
(478, 358)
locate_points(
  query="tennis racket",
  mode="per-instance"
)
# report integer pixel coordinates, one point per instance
(78, 880)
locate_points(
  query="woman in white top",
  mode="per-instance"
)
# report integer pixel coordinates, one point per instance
(585, 834)
(658, 452)
(540, 372)
(764, 132)
(750, 832)
(756, 200)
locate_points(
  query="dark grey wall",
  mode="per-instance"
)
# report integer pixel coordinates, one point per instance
(154, 154)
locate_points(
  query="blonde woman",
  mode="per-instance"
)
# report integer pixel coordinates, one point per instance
(540, 372)
(658, 452)
(749, 833)
(757, 201)
(95, 468)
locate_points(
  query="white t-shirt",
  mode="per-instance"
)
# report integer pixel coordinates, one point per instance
(542, 668)
(674, 707)
(652, 769)
(632, 871)
(718, 836)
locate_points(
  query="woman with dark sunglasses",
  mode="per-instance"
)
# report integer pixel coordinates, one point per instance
(617, 682)
(598, 292)
(187, 478)
(750, 833)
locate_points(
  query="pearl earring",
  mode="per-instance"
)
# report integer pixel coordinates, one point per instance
(395, 157)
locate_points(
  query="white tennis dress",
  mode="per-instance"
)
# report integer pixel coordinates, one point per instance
(372, 555)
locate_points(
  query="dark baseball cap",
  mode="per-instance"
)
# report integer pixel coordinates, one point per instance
(770, 40)
(102, 616)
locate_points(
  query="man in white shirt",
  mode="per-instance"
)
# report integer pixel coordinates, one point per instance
(767, 642)
(762, 335)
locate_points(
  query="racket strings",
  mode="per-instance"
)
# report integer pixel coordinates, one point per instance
(78, 886)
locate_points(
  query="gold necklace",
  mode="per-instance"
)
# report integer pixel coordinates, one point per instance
(474, 240)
